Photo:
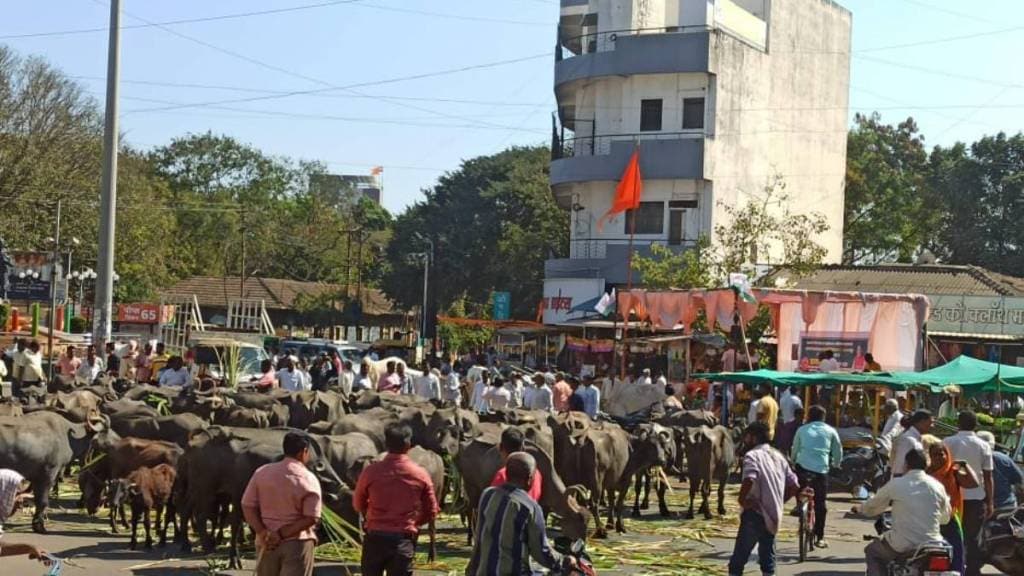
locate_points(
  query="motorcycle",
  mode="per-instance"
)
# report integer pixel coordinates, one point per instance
(929, 559)
(577, 550)
(862, 467)
(1002, 541)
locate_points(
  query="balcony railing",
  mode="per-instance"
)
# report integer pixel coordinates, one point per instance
(597, 248)
(600, 145)
(572, 46)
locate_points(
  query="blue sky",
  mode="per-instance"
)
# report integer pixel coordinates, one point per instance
(958, 89)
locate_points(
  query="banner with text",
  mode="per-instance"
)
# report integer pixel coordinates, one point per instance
(848, 347)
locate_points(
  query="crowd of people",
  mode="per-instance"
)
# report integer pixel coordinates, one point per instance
(938, 490)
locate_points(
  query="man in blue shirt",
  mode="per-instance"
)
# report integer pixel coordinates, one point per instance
(1007, 480)
(816, 448)
(590, 397)
(510, 527)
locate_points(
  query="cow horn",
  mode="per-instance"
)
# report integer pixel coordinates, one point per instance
(571, 499)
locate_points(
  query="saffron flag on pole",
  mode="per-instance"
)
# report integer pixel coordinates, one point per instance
(627, 193)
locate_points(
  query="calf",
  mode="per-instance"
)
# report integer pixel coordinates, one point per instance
(709, 456)
(150, 489)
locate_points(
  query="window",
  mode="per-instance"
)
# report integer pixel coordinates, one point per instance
(693, 113)
(650, 218)
(650, 115)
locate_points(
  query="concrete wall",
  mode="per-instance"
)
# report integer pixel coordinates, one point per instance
(784, 112)
(615, 101)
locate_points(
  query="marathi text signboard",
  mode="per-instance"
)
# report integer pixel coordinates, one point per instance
(144, 314)
(35, 285)
(996, 315)
(562, 296)
(502, 306)
(848, 347)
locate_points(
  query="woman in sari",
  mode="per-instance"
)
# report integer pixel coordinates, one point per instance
(955, 477)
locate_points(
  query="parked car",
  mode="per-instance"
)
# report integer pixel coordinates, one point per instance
(312, 347)
(211, 355)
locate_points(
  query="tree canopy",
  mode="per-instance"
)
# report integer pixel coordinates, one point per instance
(493, 222)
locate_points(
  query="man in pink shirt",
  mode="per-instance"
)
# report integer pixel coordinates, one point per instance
(282, 505)
(391, 382)
(512, 441)
(396, 497)
(69, 363)
(560, 394)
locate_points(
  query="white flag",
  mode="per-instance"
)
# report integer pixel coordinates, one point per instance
(606, 304)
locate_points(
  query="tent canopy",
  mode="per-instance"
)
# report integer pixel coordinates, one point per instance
(973, 376)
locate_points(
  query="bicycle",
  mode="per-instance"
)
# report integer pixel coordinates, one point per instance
(806, 530)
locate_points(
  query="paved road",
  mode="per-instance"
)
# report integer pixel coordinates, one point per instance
(96, 552)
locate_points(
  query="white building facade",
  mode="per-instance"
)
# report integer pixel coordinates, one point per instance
(722, 97)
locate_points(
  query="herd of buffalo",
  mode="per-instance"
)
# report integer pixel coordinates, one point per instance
(187, 455)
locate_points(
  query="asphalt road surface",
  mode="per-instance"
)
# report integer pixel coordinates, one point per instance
(92, 550)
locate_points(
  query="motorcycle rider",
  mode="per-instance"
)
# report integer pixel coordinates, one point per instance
(919, 507)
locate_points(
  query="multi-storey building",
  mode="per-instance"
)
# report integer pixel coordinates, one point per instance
(723, 97)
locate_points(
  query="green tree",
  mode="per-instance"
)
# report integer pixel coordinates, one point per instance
(760, 231)
(982, 189)
(890, 211)
(493, 222)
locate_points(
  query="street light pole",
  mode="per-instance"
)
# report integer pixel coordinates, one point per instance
(53, 293)
(108, 188)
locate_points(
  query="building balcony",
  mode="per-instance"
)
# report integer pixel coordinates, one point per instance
(626, 52)
(605, 258)
(663, 156)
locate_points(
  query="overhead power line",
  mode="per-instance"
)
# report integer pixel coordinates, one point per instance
(180, 21)
(270, 12)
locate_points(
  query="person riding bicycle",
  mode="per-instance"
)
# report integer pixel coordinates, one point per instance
(920, 507)
(817, 448)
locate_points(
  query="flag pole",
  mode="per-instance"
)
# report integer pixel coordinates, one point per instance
(629, 288)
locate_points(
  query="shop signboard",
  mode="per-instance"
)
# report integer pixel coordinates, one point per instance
(994, 315)
(142, 313)
(848, 347)
(562, 298)
(30, 277)
(502, 305)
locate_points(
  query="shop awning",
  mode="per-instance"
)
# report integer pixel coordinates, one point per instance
(776, 378)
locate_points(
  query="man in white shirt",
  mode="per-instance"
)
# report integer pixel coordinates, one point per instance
(828, 362)
(661, 382)
(176, 375)
(497, 397)
(428, 386)
(452, 393)
(476, 399)
(362, 381)
(788, 403)
(32, 367)
(542, 398)
(346, 378)
(920, 507)
(292, 379)
(919, 424)
(645, 377)
(892, 427)
(966, 446)
(755, 407)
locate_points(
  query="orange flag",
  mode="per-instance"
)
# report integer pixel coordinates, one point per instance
(627, 193)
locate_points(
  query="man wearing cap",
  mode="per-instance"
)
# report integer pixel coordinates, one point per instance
(645, 377)
(918, 424)
(282, 504)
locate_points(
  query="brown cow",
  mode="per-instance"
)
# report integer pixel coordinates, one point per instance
(150, 489)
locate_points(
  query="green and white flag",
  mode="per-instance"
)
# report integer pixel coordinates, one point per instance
(606, 305)
(741, 284)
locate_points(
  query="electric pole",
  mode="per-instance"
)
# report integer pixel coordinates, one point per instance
(108, 189)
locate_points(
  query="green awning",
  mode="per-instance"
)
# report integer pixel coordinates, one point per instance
(971, 375)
